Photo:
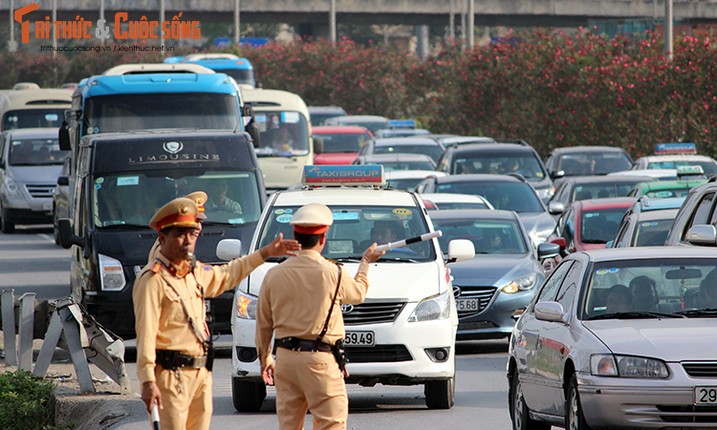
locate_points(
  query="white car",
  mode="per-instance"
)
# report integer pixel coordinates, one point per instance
(675, 155)
(404, 333)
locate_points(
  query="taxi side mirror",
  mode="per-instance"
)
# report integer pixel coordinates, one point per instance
(556, 208)
(702, 234)
(229, 249)
(460, 250)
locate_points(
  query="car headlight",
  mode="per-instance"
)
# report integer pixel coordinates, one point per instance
(111, 274)
(521, 284)
(246, 305)
(11, 188)
(432, 308)
(627, 366)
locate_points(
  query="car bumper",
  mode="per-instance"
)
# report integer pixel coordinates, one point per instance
(659, 405)
(496, 320)
(404, 354)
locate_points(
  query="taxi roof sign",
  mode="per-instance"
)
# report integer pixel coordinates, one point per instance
(366, 174)
(675, 148)
(402, 123)
(690, 171)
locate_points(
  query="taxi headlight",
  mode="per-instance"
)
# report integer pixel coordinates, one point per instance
(627, 366)
(111, 274)
(246, 305)
(432, 308)
(521, 284)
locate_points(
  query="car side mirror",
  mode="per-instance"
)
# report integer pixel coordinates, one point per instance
(229, 249)
(556, 208)
(560, 241)
(67, 237)
(64, 137)
(702, 234)
(460, 250)
(558, 174)
(548, 250)
(63, 181)
(549, 311)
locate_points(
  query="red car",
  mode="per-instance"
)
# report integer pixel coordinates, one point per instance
(589, 224)
(338, 144)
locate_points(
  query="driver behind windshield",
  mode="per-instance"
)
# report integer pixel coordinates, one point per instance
(218, 200)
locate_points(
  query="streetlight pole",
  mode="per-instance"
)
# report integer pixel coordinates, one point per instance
(668, 30)
(161, 23)
(332, 21)
(54, 28)
(471, 23)
(451, 21)
(237, 32)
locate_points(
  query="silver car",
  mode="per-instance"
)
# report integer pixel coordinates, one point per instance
(619, 338)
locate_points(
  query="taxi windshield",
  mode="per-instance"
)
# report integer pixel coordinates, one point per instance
(355, 228)
(283, 133)
(131, 198)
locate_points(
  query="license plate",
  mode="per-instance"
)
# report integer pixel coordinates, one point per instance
(360, 338)
(706, 395)
(467, 305)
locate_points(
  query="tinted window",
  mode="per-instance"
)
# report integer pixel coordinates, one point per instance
(600, 191)
(283, 133)
(652, 233)
(433, 151)
(515, 196)
(550, 288)
(704, 209)
(593, 163)
(341, 142)
(525, 164)
(36, 152)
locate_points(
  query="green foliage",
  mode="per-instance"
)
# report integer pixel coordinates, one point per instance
(26, 402)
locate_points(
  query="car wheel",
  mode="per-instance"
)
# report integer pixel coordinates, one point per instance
(55, 228)
(574, 419)
(519, 413)
(247, 395)
(440, 394)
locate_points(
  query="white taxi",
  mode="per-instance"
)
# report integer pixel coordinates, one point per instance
(404, 333)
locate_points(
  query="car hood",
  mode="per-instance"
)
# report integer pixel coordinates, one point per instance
(335, 158)
(417, 280)
(492, 269)
(670, 339)
(36, 174)
(537, 221)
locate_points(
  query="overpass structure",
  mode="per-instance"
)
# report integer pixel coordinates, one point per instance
(512, 13)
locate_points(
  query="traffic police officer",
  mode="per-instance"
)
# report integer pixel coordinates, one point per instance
(294, 302)
(199, 198)
(172, 336)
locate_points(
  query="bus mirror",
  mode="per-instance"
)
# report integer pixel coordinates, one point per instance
(64, 137)
(253, 129)
(67, 237)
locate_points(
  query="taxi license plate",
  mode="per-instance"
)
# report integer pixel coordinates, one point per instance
(706, 395)
(467, 305)
(360, 338)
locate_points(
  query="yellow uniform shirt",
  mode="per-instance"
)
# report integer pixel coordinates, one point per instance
(160, 321)
(295, 298)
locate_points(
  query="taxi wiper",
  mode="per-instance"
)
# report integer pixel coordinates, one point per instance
(397, 260)
(635, 315)
(350, 259)
(699, 312)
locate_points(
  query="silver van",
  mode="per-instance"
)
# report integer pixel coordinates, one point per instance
(30, 163)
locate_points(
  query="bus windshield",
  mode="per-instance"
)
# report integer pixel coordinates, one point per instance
(31, 118)
(242, 76)
(122, 112)
(283, 133)
(131, 198)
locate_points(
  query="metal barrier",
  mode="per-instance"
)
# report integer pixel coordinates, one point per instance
(69, 328)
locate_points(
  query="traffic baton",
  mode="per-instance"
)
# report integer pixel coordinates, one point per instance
(400, 243)
(155, 417)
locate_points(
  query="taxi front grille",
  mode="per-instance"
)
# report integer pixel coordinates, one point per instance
(482, 294)
(378, 354)
(687, 414)
(40, 191)
(371, 312)
(700, 369)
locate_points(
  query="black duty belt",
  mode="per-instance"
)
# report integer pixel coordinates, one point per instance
(296, 344)
(172, 360)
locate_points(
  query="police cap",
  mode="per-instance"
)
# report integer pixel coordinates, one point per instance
(199, 198)
(180, 212)
(312, 218)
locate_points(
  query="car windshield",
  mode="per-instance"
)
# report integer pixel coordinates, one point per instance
(282, 133)
(32, 118)
(131, 198)
(600, 191)
(242, 76)
(652, 233)
(593, 163)
(356, 227)
(36, 152)
(408, 184)
(646, 288)
(512, 196)
(433, 151)
(488, 236)
(600, 226)
(708, 167)
(123, 112)
(496, 163)
(341, 142)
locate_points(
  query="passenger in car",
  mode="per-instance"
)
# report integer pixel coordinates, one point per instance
(644, 294)
(619, 299)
